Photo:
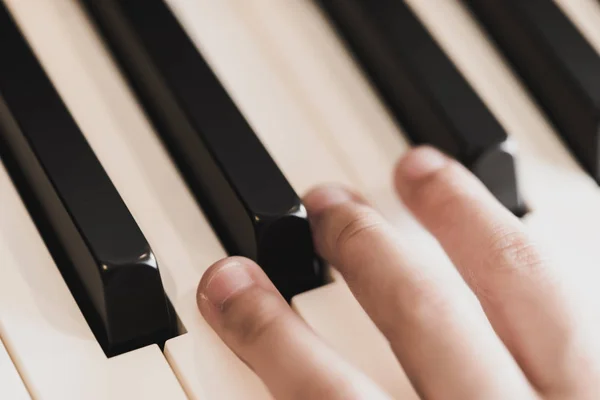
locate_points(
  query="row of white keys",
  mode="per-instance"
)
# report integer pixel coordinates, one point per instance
(245, 35)
(46, 335)
(11, 385)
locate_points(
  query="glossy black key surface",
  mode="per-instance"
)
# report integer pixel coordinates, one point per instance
(250, 204)
(58, 172)
(425, 91)
(559, 66)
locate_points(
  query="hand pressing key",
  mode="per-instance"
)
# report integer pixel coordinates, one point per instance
(525, 340)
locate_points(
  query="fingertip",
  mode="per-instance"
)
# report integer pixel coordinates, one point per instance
(223, 280)
(419, 163)
(323, 197)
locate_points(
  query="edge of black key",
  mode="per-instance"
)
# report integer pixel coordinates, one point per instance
(92, 256)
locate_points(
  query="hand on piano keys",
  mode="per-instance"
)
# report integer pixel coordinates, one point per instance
(323, 115)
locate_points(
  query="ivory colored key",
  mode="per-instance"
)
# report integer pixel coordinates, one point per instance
(223, 30)
(300, 48)
(250, 204)
(333, 312)
(11, 385)
(76, 207)
(57, 355)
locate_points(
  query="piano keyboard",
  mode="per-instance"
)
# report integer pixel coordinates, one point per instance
(302, 93)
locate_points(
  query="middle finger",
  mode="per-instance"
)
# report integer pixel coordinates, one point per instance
(434, 325)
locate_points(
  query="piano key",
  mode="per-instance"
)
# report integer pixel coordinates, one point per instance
(11, 385)
(346, 115)
(59, 173)
(142, 171)
(227, 41)
(248, 200)
(374, 357)
(556, 63)
(425, 92)
(56, 352)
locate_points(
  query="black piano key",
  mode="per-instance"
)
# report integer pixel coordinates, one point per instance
(57, 170)
(248, 201)
(555, 61)
(424, 90)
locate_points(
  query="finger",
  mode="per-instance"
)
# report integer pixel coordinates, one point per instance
(519, 292)
(247, 312)
(432, 321)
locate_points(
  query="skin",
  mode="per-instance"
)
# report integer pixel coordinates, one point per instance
(520, 337)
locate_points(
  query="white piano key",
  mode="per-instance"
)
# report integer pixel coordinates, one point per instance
(11, 385)
(56, 352)
(140, 168)
(333, 312)
(221, 31)
(333, 95)
(208, 372)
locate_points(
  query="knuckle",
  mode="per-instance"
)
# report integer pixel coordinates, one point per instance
(432, 300)
(355, 226)
(426, 304)
(513, 251)
(253, 315)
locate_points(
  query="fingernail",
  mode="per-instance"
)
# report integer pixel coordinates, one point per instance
(321, 198)
(228, 280)
(421, 162)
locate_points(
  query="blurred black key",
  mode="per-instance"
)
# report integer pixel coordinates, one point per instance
(59, 173)
(425, 91)
(556, 62)
(250, 204)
